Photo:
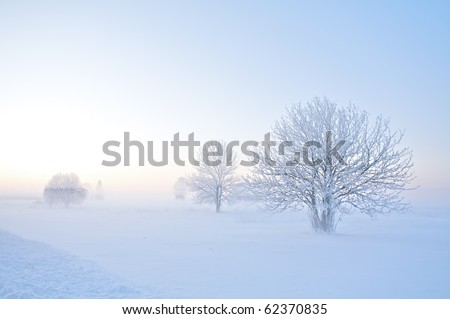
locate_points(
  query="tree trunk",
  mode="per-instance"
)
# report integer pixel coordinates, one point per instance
(218, 198)
(322, 221)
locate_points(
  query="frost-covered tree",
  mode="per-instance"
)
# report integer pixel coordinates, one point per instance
(214, 179)
(180, 188)
(339, 162)
(66, 189)
(99, 191)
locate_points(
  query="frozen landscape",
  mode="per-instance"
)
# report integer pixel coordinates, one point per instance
(148, 250)
(159, 152)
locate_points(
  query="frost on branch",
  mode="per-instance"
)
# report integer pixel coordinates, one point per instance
(65, 189)
(214, 184)
(374, 172)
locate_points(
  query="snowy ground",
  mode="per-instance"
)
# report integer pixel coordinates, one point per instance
(103, 250)
(30, 269)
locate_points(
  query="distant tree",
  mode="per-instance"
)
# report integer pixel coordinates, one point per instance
(214, 182)
(99, 190)
(180, 188)
(66, 189)
(370, 179)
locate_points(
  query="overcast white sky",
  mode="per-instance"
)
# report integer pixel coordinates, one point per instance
(74, 75)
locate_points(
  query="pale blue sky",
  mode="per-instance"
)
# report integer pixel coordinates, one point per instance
(75, 74)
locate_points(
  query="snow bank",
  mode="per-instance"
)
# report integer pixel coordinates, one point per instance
(29, 269)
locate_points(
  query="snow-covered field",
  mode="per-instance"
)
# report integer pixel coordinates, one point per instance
(101, 250)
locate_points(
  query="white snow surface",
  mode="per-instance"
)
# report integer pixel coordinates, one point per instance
(29, 269)
(102, 250)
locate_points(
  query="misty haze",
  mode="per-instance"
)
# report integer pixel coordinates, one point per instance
(224, 150)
